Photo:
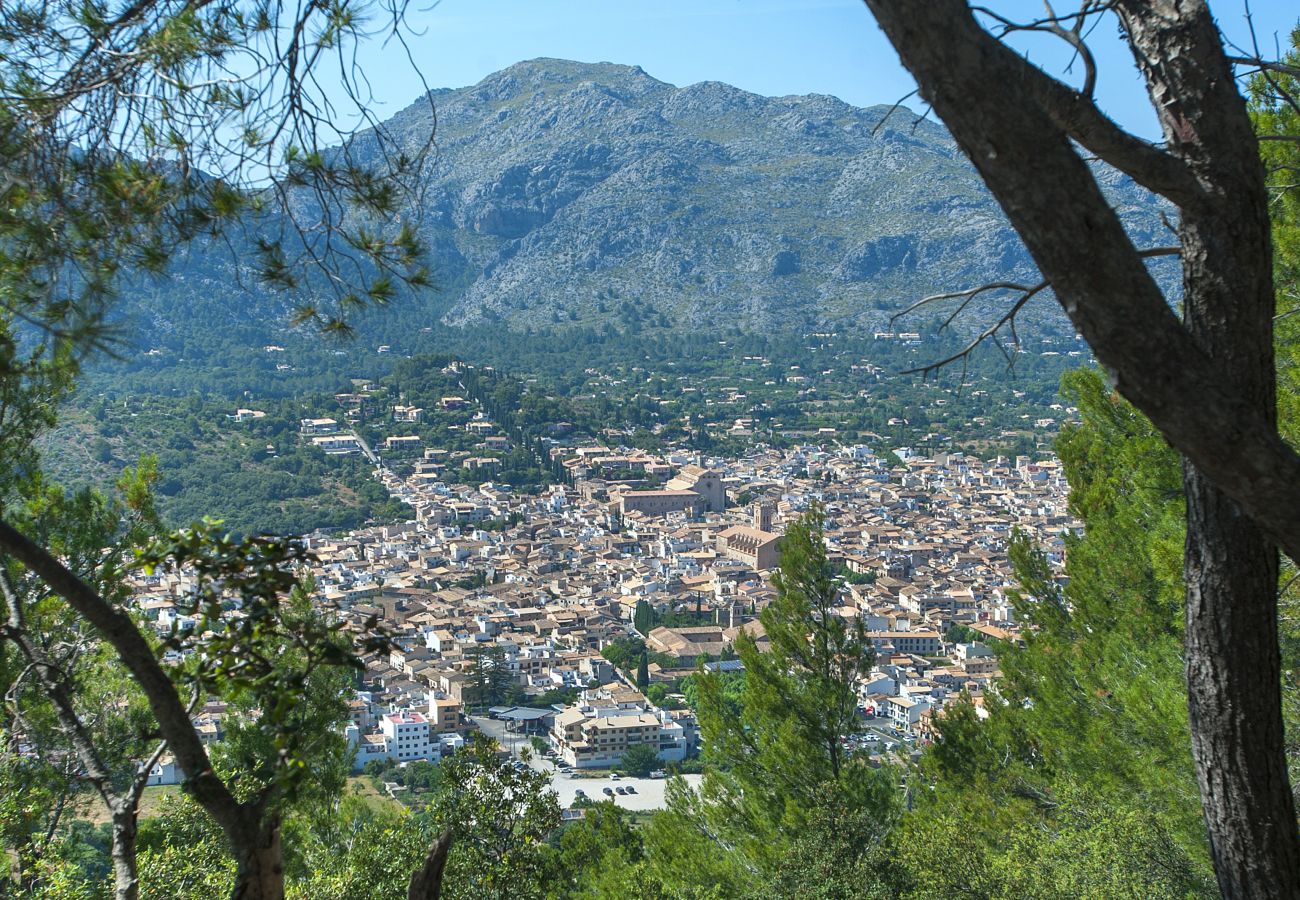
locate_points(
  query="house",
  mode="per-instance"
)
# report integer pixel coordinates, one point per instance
(317, 426)
(922, 643)
(660, 503)
(403, 736)
(337, 444)
(906, 712)
(756, 549)
(165, 771)
(687, 645)
(705, 482)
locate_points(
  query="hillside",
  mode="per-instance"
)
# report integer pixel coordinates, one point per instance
(565, 193)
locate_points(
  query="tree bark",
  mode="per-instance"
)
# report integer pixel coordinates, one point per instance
(126, 874)
(1207, 382)
(426, 882)
(259, 873)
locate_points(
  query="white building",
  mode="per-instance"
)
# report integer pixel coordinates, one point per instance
(594, 737)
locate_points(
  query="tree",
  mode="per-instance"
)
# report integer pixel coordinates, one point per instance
(643, 671)
(127, 131)
(772, 756)
(596, 847)
(643, 619)
(639, 760)
(497, 817)
(1084, 743)
(1206, 380)
(490, 677)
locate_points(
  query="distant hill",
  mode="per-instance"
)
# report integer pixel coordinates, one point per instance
(566, 193)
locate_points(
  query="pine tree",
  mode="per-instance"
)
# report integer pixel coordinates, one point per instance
(770, 761)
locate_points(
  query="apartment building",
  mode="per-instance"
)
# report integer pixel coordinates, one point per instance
(594, 737)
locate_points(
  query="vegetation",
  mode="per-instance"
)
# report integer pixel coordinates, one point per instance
(1209, 390)
(773, 755)
(639, 760)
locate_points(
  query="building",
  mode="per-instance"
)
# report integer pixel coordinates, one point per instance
(757, 549)
(920, 643)
(905, 712)
(687, 645)
(337, 443)
(448, 716)
(318, 426)
(404, 737)
(705, 482)
(596, 737)
(661, 503)
(408, 736)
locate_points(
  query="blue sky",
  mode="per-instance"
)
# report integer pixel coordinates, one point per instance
(770, 47)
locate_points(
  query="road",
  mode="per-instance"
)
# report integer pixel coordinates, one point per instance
(649, 791)
(365, 448)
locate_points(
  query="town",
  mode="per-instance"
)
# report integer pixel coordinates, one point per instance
(565, 623)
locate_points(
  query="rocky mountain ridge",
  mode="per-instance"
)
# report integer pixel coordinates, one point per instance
(561, 191)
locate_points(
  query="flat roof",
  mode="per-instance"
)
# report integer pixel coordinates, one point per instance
(523, 713)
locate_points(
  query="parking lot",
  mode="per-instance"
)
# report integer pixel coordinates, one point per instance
(649, 792)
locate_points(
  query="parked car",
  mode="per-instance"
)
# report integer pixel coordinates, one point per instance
(658, 773)
(620, 790)
(579, 793)
(631, 789)
(614, 776)
(609, 792)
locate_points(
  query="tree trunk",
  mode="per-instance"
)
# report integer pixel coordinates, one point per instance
(426, 881)
(126, 875)
(260, 864)
(1230, 566)
(1206, 382)
(1234, 697)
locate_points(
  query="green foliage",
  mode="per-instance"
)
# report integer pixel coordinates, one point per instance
(265, 659)
(500, 817)
(1085, 745)
(960, 634)
(183, 854)
(774, 756)
(596, 853)
(101, 188)
(354, 850)
(490, 678)
(639, 760)
(643, 618)
(624, 652)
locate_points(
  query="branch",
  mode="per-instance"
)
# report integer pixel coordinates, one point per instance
(426, 883)
(1007, 319)
(1077, 114)
(1265, 65)
(117, 627)
(986, 94)
(56, 688)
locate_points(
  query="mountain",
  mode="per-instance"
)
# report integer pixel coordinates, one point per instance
(565, 194)
(561, 190)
